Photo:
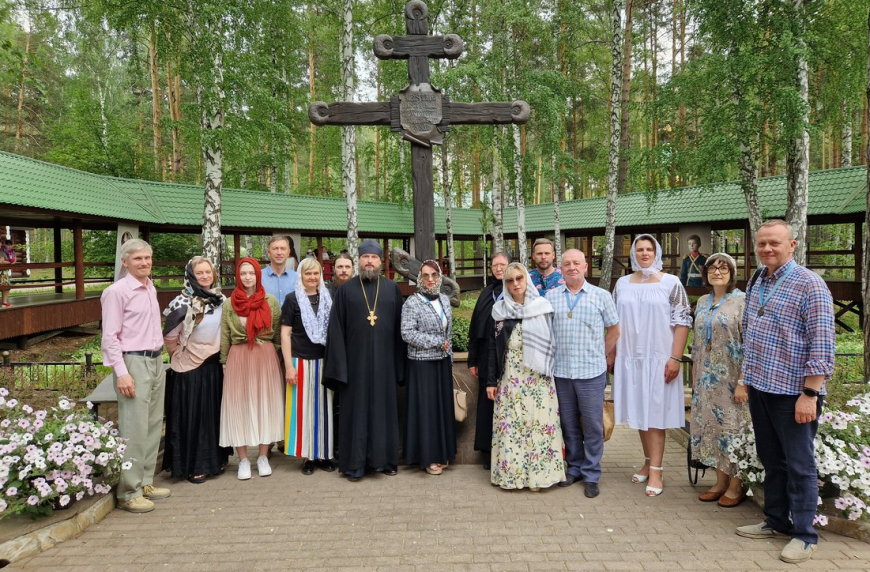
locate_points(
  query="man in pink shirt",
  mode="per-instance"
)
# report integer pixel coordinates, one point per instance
(132, 345)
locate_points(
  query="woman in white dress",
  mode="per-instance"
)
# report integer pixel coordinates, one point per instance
(654, 317)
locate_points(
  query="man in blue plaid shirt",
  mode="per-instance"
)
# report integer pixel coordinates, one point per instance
(788, 353)
(582, 312)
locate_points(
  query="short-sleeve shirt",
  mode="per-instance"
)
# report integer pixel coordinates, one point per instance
(291, 315)
(546, 283)
(279, 285)
(580, 338)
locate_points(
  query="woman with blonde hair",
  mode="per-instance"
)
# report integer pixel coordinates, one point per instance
(308, 422)
(194, 383)
(527, 435)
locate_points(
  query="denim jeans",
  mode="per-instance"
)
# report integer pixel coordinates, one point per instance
(785, 448)
(581, 408)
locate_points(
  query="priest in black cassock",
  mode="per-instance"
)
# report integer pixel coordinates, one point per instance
(481, 334)
(365, 363)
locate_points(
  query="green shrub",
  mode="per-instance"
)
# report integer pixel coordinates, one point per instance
(460, 334)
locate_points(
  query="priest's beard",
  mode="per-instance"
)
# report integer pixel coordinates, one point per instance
(369, 274)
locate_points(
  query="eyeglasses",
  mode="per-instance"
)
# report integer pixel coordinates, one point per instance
(518, 279)
(722, 270)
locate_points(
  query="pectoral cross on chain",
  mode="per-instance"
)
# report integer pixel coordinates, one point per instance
(372, 318)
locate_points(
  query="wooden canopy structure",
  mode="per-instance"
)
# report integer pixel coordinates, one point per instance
(35, 194)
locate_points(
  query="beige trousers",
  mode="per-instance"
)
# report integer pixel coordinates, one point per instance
(140, 420)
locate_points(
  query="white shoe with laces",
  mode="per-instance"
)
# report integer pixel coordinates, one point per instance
(244, 470)
(263, 467)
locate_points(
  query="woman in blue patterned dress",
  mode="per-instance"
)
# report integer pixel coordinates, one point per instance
(719, 404)
(526, 436)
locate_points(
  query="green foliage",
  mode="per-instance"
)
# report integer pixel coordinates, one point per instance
(460, 334)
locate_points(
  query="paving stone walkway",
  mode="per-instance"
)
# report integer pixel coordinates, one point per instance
(420, 523)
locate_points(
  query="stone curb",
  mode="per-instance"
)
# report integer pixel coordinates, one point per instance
(34, 542)
(859, 530)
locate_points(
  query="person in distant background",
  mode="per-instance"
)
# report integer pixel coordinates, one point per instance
(7, 256)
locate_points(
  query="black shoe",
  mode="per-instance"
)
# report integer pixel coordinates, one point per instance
(324, 465)
(591, 490)
(570, 480)
(390, 472)
(487, 466)
(196, 479)
(352, 478)
(308, 467)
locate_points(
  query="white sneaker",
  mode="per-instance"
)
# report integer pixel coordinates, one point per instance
(244, 470)
(263, 466)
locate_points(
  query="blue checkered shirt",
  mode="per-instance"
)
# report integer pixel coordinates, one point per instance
(580, 339)
(795, 336)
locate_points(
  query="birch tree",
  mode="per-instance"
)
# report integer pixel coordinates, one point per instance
(497, 197)
(448, 206)
(613, 163)
(798, 159)
(348, 132)
(519, 197)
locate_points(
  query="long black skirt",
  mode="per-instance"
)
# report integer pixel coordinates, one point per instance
(430, 430)
(193, 414)
(483, 421)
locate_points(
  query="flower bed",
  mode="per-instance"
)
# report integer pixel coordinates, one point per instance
(842, 449)
(52, 457)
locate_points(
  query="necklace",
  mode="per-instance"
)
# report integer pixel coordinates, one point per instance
(371, 317)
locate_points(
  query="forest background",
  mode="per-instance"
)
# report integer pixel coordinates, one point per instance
(152, 89)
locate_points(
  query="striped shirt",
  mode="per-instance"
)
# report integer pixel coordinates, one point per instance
(580, 338)
(794, 336)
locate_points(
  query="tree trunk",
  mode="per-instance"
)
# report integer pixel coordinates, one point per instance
(249, 245)
(799, 159)
(865, 266)
(155, 104)
(212, 153)
(348, 133)
(406, 191)
(19, 126)
(749, 184)
(520, 199)
(287, 167)
(624, 136)
(557, 223)
(846, 138)
(448, 205)
(497, 198)
(613, 163)
(312, 134)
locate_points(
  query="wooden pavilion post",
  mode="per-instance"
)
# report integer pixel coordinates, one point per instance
(58, 258)
(237, 249)
(747, 251)
(78, 247)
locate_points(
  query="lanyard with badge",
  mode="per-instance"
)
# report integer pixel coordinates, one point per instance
(761, 301)
(708, 319)
(441, 307)
(570, 305)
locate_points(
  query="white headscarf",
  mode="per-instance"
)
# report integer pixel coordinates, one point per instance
(654, 268)
(315, 325)
(539, 349)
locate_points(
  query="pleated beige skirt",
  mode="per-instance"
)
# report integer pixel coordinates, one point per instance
(252, 409)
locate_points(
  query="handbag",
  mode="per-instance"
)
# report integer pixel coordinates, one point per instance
(460, 399)
(609, 419)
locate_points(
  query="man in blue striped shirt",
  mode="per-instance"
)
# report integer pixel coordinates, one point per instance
(582, 312)
(788, 345)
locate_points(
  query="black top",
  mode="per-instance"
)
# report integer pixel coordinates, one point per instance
(291, 315)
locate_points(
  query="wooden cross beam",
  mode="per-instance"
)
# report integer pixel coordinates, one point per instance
(419, 112)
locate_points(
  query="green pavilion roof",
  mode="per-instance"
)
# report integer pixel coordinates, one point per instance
(31, 184)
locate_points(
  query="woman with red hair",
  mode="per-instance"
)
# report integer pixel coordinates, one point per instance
(252, 410)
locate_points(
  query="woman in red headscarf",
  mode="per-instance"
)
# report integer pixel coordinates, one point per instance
(252, 410)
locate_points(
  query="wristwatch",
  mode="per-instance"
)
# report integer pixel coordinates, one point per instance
(810, 392)
(741, 383)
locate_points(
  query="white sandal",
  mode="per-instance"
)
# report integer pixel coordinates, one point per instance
(637, 478)
(653, 491)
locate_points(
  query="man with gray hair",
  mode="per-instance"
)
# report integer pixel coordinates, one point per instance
(132, 346)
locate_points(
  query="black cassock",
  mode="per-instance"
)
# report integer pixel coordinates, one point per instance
(365, 364)
(480, 335)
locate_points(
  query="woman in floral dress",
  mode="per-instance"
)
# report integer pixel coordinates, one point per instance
(719, 404)
(527, 437)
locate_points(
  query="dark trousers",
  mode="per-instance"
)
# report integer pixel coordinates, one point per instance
(581, 408)
(785, 448)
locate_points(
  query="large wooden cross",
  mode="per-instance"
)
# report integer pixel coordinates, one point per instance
(419, 112)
